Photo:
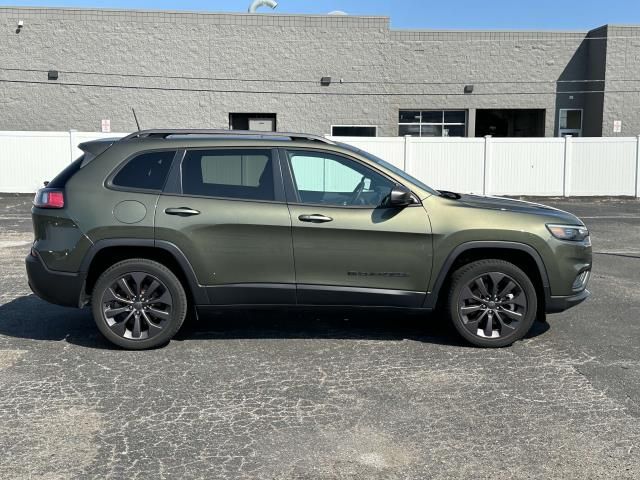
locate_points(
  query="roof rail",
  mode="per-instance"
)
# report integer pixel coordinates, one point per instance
(164, 133)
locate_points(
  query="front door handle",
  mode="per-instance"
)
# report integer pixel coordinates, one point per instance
(182, 211)
(315, 218)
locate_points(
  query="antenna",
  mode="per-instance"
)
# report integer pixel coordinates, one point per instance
(135, 118)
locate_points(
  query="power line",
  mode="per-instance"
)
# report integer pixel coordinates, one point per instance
(326, 93)
(313, 82)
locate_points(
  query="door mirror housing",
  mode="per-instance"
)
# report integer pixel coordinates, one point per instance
(400, 196)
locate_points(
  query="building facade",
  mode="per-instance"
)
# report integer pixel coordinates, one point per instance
(86, 69)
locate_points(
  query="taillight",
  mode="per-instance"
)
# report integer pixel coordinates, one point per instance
(47, 198)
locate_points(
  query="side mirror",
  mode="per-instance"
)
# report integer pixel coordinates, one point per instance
(400, 196)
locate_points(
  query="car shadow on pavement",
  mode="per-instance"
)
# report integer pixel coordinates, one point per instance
(28, 317)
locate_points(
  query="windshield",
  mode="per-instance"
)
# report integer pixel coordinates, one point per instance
(393, 168)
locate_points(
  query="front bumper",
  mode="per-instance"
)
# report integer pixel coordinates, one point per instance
(560, 304)
(61, 288)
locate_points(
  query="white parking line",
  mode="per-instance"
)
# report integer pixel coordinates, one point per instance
(9, 244)
(619, 217)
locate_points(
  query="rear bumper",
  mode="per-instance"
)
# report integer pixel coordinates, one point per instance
(61, 288)
(560, 304)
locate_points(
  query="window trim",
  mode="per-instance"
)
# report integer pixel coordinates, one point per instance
(108, 183)
(291, 191)
(442, 124)
(173, 186)
(358, 126)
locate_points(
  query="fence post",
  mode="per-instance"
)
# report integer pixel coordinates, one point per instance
(638, 167)
(406, 152)
(566, 169)
(486, 165)
(73, 143)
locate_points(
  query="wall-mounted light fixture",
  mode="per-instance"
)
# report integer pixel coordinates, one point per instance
(325, 81)
(52, 75)
(468, 89)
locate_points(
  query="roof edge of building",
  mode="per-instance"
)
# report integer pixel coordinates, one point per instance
(277, 18)
(187, 12)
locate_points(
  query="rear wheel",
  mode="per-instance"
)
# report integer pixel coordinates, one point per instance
(492, 303)
(139, 304)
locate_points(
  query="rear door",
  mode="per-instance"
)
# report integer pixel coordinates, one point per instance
(225, 210)
(348, 247)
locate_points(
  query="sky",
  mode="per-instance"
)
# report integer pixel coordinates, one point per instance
(415, 14)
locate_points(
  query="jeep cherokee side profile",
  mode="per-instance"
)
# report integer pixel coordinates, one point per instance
(164, 222)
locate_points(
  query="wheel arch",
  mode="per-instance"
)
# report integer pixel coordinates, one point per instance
(107, 252)
(520, 254)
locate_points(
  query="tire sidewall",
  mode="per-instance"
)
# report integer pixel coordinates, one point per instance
(179, 307)
(464, 275)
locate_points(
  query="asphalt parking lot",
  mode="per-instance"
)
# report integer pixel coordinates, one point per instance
(339, 395)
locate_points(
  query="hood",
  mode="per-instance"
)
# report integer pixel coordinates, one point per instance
(518, 206)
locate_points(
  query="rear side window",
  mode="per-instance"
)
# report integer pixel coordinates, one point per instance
(147, 171)
(242, 174)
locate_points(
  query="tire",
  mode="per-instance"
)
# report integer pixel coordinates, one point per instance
(139, 304)
(472, 303)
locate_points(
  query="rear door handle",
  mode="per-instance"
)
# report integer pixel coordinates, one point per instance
(315, 218)
(182, 211)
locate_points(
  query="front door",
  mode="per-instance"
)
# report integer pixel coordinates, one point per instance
(570, 122)
(348, 248)
(228, 216)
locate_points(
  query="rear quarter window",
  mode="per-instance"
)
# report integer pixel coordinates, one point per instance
(147, 171)
(63, 177)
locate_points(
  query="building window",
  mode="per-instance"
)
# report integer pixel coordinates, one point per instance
(570, 122)
(354, 131)
(433, 123)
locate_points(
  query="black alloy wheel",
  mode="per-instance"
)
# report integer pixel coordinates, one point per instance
(139, 303)
(137, 306)
(492, 303)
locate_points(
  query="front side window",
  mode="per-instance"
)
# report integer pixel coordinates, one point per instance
(432, 123)
(242, 174)
(326, 179)
(147, 171)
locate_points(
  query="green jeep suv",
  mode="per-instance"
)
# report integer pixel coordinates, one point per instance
(161, 223)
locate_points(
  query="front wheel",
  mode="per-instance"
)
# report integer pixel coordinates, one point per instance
(492, 303)
(139, 304)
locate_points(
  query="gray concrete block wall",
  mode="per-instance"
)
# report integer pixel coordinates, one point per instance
(191, 70)
(622, 96)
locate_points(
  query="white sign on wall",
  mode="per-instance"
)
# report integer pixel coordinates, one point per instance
(106, 126)
(617, 126)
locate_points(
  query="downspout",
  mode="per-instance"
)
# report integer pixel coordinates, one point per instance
(262, 3)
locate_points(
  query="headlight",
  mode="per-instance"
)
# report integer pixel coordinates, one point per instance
(572, 233)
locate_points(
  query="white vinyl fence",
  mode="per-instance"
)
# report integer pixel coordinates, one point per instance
(516, 166)
(29, 158)
(490, 166)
